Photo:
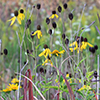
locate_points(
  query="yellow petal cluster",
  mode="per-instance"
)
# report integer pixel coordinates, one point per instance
(13, 86)
(15, 80)
(19, 18)
(45, 53)
(80, 47)
(38, 32)
(53, 15)
(85, 87)
(56, 52)
(7, 90)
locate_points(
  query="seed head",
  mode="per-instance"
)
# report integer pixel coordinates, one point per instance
(95, 74)
(70, 16)
(54, 25)
(63, 35)
(59, 8)
(21, 11)
(54, 12)
(85, 40)
(38, 6)
(41, 70)
(16, 13)
(96, 47)
(45, 46)
(38, 27)
(67, 41)
(5, 51)
(47, 20)
(65, 5)
(50, 31)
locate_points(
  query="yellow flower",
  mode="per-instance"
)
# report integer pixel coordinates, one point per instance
(53, 15)
(13, 86)
(56, 52)
(47, 61)
(85, 87)
(67, 75)
(21, 14)
(45, 53)
(14, 18)
(7, 90)
(15, 80)
(73, 44)
(84, 45)
(39, 33)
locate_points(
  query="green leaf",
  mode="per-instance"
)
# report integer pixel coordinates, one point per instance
(45, 91)
(90, 96)
(80, 93)
(49, 83)
(39, 45)
(73, 84)
(80, 62)
(21, 97)
(29, 40)
(61, 78)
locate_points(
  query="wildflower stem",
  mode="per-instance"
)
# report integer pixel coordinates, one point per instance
(87, 28)
(81, 19)
(98, 79)
(34, 86)
(67, 83)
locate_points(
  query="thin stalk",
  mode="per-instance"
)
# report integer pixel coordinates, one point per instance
(98, 79)
(67, 83)
(34, 86)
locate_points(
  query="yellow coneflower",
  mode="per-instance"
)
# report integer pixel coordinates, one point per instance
(7, 90)
(38, 32)
(45, 53)
(15, 80)
(73, 44)
(13, 86)
(53, 15)
(14, 18)
(56, 52)
(84, 45)
(21, 14)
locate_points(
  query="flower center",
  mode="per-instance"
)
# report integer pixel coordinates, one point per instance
(16, 13)
(21, 11)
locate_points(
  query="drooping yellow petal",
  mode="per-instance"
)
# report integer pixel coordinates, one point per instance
(72, 44)
(71, 49)
(19, 20)
(62, 51)
(67, 75)
(21, 16)
(45, 62)
(39, 34)
(41, 54)
(56, 15)
(45, 53)
(35, 33)
(52, 16)
(12, 20)
(90, 44)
